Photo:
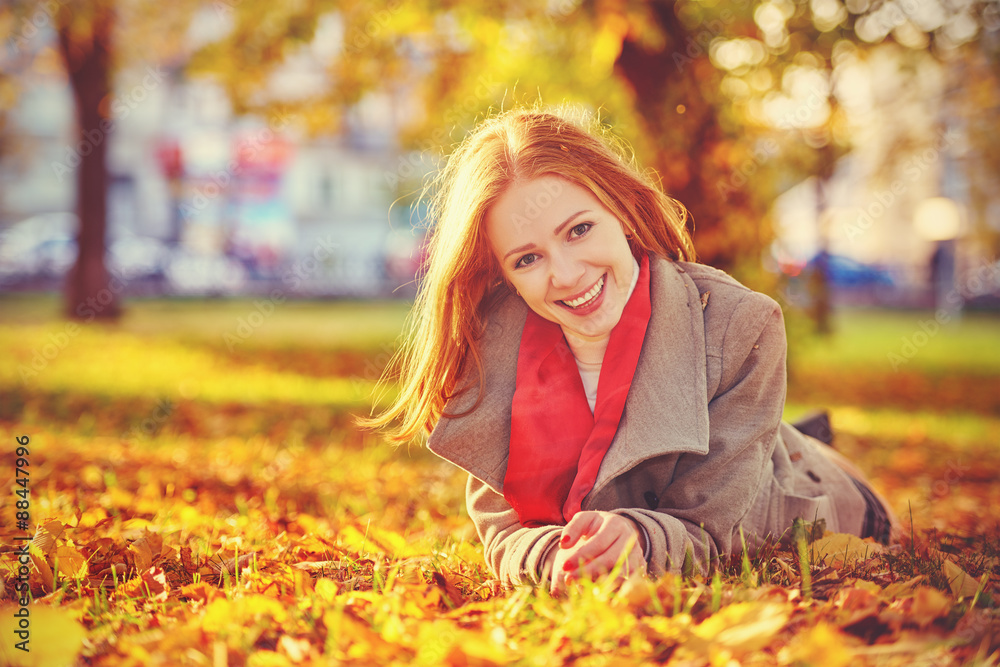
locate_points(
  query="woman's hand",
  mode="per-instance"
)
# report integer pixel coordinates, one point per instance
(591, 544)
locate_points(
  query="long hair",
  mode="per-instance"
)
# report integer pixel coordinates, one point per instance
(462, 278)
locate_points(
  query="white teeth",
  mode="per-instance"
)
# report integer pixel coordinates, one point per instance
(594, 291)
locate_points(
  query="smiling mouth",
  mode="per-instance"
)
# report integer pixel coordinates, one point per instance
(588, 298)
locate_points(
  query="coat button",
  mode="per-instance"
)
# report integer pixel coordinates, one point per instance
(651, 500)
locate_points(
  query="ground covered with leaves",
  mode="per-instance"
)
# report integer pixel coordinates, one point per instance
(196, 496)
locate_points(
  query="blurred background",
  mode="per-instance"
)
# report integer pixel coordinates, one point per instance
(211, 233)
(830, 151)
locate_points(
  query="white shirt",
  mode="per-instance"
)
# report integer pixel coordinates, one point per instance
(590, 371)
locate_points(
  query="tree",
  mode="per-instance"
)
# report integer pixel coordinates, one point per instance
(683, 81)
(93, 41)
(85, 42)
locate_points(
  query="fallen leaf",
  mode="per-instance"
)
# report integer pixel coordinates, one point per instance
(55, 637)
(821, 644)
(70, 562)
(962, 584)
(929, 604)
(200, 592)
(46, 536)
(151, 583)
(744, 626)
(840, 549)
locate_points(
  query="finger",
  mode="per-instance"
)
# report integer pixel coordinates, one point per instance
(593, 556)
(559, 581)
(613, 536)
(600, 554)
(581, 524)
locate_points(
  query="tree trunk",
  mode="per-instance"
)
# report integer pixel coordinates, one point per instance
(669, 86)
(89, 292)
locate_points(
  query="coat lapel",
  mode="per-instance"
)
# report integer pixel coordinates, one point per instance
(666, 411)
(478, 442)
(667, 407)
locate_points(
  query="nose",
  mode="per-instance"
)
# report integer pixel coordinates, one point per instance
(564, 272)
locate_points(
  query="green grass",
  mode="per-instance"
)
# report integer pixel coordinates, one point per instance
(885, 341)
(320, 324)
(254, 453)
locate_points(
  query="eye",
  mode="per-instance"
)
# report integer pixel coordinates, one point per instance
(580, 229)
(525, 260)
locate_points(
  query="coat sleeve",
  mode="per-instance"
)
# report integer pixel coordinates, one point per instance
(513, 552)
(708, 496)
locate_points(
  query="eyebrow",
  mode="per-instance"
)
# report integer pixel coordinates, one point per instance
(558, 230)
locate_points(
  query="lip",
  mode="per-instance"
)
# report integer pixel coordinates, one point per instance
(592, 307)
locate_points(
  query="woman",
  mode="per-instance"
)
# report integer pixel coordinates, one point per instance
(610, 399)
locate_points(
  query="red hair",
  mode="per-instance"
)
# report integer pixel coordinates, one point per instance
(463, 280)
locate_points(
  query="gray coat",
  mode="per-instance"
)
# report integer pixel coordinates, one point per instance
(701, 450)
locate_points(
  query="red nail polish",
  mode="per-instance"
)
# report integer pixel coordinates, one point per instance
(567, 566)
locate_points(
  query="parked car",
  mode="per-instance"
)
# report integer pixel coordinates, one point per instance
(43, 247)
(847, 273)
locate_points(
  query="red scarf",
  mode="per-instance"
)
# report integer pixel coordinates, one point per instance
(556, 443)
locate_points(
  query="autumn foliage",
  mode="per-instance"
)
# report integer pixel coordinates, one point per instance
(195, 505)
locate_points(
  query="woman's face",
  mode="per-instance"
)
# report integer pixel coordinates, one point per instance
(564, 252)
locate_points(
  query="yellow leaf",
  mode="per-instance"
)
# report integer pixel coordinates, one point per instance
(840, 549)
(607, 43)
(71, 562)
(46, 536)
(744, 626)
(142, 553)
(326, 589)
(928, 605)
(268, 659)
(91, 517)
(54, 637)
(821, 644)
(201, 592)
(901, 588)
(962, 584)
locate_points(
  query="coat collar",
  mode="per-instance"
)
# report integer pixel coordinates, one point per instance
(667, 407)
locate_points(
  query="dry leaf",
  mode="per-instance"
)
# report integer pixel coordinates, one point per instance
(744, 626)
(46, 536)
(841, 549)
(929, 604)
(151, 583)
(55, 637)
(821, 644)
(142, 554)
(962, 584)
(200, 592)
(70, 562)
